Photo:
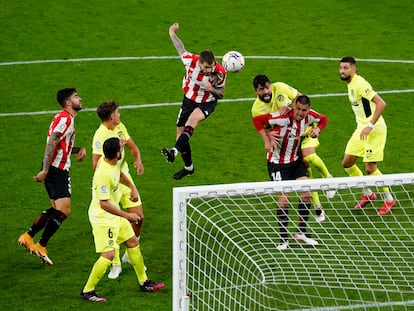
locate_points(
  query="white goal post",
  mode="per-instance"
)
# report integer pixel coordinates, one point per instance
(225, 256)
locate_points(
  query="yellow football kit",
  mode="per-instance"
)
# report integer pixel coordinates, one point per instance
(120, 131)
(109, 230)
(360, 94)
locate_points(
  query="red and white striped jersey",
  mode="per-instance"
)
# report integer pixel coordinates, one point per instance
(289, 132)
(195, 80)
(63, 124)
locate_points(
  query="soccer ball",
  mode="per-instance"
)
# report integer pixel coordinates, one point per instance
(233, 61)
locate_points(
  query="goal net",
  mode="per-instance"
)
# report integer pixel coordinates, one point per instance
(225, 255)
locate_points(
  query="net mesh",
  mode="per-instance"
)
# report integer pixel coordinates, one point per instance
(230, 261)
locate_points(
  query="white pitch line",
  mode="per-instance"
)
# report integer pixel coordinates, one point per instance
(139, 106)
(127, 58)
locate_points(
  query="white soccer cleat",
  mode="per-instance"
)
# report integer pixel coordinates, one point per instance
(321, 217)
(330, 193)
(115, 271)
(125, 258)
(302, 238)
(282, 246)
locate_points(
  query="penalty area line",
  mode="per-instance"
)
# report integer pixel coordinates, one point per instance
(139, 106)
(154, 57)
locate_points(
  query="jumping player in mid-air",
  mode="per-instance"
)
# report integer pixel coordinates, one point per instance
(203, 85)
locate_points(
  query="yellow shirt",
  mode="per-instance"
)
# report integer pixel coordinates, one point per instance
(282, 95)
(105, 186)
(360, 94)
(103, 133)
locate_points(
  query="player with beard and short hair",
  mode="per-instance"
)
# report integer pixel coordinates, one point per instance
(111, 226)
(278, 97)
(369, 138)
(55, 173)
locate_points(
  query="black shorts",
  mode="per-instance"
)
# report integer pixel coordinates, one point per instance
(188, 107)
(291, 171)
(57, 183)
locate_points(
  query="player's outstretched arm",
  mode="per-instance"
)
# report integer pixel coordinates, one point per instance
(178, 44)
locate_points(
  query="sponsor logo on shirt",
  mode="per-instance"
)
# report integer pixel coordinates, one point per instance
(98, 145)
(61, 127)
(104, 189)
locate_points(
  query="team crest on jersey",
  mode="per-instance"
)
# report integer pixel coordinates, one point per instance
(120, 134)
(104, 189)
(292, 132)
(280, 98)
(292, 135)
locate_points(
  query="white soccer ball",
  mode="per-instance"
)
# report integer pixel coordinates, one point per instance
(233, 61)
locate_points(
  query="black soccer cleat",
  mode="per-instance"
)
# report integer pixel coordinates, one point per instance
(169, 154)
(92, 296)
(183, 173)
(151, 286)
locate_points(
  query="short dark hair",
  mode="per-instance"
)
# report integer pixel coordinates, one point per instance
(304, 100)
(63, 94)
(348, 59)
(111, 147)
(207, 56)
(105, 109)
(260, 80)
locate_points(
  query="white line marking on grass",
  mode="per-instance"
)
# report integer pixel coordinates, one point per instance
(138, 106)
(127, 58)
(72, 60)
(317, 58)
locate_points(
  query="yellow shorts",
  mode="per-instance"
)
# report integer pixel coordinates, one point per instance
(125, 195)
(309, 142)
(370, 149)
(108, 237)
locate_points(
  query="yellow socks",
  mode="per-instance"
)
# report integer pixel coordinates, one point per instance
(315, 197)
(354, 171)
(137, 262)
(315, 161)
(98, 271)
(384, 190)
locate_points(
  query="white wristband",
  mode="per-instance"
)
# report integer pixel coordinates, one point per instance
(371, 125)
